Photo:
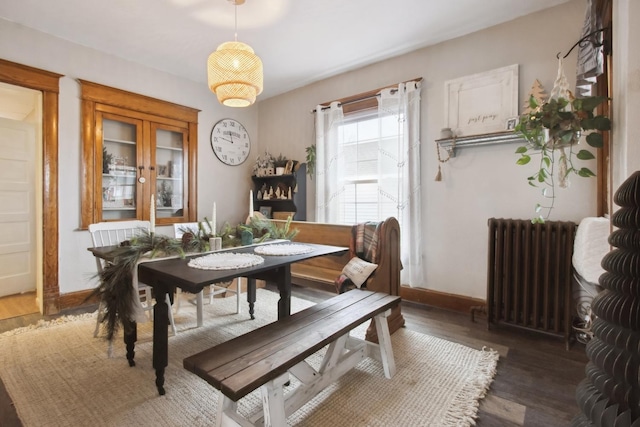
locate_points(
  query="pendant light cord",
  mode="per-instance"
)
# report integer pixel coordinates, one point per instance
(235, 35)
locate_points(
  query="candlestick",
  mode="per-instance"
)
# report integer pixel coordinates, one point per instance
(152, 215)
(250, 203)
(213, 220)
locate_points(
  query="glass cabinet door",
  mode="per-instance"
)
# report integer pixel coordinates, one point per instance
(171, 174)
(120, 154)
(135, 148)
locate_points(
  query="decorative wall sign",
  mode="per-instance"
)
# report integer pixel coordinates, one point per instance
(481, 103)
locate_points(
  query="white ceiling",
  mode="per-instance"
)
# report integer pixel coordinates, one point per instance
(299, 41)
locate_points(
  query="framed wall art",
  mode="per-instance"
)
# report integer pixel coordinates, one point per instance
(266, 211)
(481, 103)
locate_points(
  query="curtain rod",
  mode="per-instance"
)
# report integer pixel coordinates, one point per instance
(364, 98)
(352, 101)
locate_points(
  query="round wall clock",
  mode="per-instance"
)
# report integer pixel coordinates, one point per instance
(230, 142)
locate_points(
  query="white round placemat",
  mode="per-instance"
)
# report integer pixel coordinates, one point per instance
(283, 249)
(225, 261)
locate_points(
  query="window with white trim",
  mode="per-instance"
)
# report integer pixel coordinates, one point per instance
(365, 141)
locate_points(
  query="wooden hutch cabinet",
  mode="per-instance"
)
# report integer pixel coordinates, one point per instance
(135, 147)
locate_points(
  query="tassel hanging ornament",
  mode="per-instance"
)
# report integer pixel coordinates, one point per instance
(440, 161)
(561, 85)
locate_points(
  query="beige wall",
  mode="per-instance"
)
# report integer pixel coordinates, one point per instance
(481, 182)
(227, 185)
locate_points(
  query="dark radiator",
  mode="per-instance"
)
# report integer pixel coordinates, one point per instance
(529, 275)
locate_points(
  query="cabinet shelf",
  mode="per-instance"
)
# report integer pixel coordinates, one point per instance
(295, 181)
(452, 144)
(119, 141)
(272, 200)
(272, 177)
(159, 147)
(115, 175)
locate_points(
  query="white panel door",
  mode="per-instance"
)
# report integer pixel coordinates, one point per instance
(17, 207)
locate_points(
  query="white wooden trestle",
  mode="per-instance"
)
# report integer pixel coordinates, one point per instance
(341, 356)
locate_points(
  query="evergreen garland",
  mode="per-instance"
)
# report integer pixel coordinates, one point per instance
(114, 290)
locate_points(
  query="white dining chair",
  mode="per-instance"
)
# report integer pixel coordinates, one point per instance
(111, 234)
(214, 289)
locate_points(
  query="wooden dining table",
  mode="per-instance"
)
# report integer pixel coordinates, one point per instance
(165, 275)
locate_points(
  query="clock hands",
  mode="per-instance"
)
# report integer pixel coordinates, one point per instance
(230, 142)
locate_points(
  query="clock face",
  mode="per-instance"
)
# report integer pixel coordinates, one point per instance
(230, 142)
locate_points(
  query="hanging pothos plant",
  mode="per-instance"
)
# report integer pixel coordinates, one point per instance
(552, 130)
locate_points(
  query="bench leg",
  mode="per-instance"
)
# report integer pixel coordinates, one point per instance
(224, 405)
(227, 413)
(384, 342)
(337, 361)
(333, 354)
(273, 402)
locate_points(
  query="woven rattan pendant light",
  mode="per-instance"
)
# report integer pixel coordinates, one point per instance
(234, 71)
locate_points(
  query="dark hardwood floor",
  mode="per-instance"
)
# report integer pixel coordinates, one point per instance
(535, 384)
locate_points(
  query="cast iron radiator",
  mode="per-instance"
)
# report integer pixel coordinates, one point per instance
(529, 275)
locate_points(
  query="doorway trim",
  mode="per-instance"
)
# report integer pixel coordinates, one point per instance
(49, 84)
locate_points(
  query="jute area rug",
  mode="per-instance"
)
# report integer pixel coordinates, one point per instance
(57, 374)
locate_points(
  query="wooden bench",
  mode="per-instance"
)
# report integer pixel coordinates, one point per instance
(264, 358)
(321, 272)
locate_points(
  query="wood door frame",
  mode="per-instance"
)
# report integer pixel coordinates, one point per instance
(604, 176)
(49, 84)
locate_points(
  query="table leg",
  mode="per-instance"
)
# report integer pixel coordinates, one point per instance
(130, 338)
(160, 336)
(199, 305)
(251, 295)
(284, 286)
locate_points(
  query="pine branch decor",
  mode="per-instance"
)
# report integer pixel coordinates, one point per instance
(115, 288)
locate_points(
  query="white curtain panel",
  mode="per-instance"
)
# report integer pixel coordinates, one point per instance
(404, 105)
(329, 163)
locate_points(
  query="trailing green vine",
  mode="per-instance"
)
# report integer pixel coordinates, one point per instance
(114, 290)
(556, 125)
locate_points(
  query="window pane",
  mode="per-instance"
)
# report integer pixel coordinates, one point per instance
(389, 126)
(368, 130)
(369, 159)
